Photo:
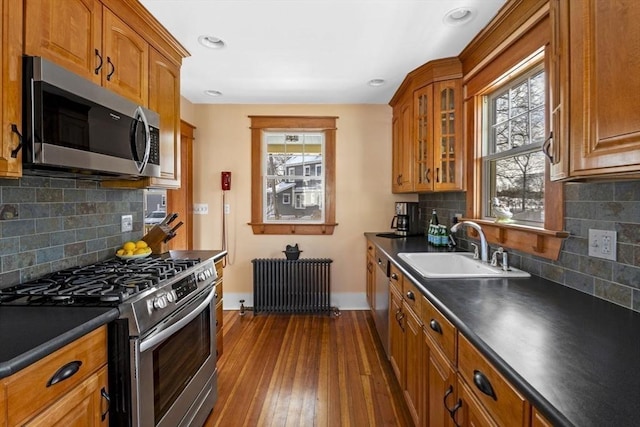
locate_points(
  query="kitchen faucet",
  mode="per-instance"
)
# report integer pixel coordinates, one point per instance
(484, 246)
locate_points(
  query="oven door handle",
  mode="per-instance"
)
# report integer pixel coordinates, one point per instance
(150, 342)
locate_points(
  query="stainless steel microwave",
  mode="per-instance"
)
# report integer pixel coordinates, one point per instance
(73, 127)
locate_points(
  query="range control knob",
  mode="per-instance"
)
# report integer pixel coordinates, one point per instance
(160, 302)
(172, 297)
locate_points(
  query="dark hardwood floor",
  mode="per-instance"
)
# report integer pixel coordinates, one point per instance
(305, 370)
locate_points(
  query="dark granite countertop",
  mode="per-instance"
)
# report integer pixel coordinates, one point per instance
(27, 333)
(575, 357)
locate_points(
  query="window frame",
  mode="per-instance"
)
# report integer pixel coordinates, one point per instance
(499, 60)
(260, 124)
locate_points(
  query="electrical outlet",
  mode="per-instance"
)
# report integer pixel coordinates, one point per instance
(603, 244)
(227, 209)
(126, 223)
(200, 208)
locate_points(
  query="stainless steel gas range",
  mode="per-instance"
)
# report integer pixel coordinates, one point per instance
(162, 355)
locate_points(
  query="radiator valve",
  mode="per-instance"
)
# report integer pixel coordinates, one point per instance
(242, 307)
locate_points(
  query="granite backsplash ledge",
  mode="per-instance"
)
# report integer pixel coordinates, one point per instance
(603, 205)
(47, 224)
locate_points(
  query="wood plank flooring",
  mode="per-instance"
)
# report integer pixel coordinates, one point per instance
(305, 370)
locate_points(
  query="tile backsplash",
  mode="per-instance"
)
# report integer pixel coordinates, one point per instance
(47, 224)
(605, 206)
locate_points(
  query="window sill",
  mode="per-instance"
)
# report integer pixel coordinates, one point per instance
(523, 238)
(304, 229)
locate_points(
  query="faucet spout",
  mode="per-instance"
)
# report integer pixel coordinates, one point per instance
(484, 246)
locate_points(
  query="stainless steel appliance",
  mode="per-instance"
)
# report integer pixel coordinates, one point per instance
(73, 127)
(162, 349)
(381, 302)
(407, 221)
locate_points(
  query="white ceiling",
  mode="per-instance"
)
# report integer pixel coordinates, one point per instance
(312, 51)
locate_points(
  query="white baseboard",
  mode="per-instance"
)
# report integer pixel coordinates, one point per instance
(342, 300)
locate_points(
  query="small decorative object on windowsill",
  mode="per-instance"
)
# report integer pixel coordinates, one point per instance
(502, 213)
(292, 253)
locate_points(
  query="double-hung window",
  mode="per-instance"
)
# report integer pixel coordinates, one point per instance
(513, 162)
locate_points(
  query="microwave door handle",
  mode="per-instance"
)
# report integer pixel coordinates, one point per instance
(147, 138)
(155, 339)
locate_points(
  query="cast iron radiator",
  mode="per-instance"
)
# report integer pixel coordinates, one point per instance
(287, 286)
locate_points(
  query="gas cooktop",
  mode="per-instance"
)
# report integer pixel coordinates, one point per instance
(107, 283)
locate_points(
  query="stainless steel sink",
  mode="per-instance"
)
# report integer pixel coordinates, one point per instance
(455, 265)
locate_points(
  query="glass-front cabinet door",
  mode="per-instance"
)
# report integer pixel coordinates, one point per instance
(423, 107)
(447, 136)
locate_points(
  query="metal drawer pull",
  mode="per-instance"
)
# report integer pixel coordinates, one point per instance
(411, 296)
(435, 326)
(113, 68)
(483, 384)
(106, 397)
(97, 70)
(452, 411)
(67, 371)
(394, 276)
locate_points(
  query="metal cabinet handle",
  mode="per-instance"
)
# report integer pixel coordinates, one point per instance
(434, 325)
(106, 397)
(65, 372)
(113, 68)
(483, 384)
(97, 70)
(427, 174)
(399, 179)
(451, 411)
(437, 174)
(457, 406)
(546, 147)
(411, 296)
(15, 151)
(394, 276)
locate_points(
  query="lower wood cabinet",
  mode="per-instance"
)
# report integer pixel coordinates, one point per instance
(439, 384)
(471, 412)
(538, 420)
(68, 387)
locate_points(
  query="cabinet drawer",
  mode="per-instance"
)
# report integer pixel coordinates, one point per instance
(413, 297)
(371, 249)
(396, 277)
(27, 390)
(499, 398)
(219, 269)
(441, 331)
(218, 294)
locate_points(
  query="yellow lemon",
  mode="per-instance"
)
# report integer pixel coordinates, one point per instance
(128, 253)
(129, 246)
(140, 251)
(141, 244)
(120, 252)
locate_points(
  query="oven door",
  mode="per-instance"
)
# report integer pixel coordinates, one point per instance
(174, 374)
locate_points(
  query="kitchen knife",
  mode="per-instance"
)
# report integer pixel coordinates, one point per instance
(173, 216)
(172, 233)
(165, 221)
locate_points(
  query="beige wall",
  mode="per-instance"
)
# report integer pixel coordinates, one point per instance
(364, 200)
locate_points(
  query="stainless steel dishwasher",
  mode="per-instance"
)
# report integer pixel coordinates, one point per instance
(381, 303)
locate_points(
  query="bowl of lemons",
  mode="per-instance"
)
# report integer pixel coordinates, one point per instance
(133, 250)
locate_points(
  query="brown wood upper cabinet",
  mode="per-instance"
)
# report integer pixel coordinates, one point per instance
(594, 115)
(11, 88)
(428, 150)
(90, 40)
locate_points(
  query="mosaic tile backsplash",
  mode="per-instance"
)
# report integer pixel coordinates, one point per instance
(47, 224)
(604, 206)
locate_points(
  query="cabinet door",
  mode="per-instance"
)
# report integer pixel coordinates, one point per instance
(447, 136)
(423, 138)
(11, 89)
(396, 335)
(538, 420)
(413, 364)
(403, 147)
(164, 98)
(440, 389)
(471, 413)
(604, 106)
(68, 33)
(556, 147)
(126, 67)
(84, 406)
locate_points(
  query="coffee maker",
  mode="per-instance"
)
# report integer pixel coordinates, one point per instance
(406, 221)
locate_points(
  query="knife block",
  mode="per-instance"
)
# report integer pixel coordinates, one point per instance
(155, 239)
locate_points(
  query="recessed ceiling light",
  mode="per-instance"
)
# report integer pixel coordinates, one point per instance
(213, 92)
(376, 82)
(459, 16)
(211, 42)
